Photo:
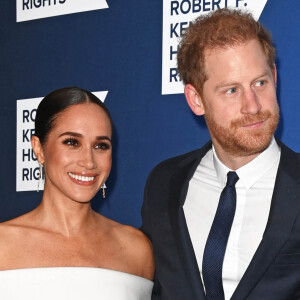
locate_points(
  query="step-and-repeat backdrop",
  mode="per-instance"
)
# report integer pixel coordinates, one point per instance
(125, 52)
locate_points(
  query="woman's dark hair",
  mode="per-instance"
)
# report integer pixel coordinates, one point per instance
(56, 102)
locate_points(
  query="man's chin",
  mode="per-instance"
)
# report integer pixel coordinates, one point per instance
(240, 141)
(248, 145)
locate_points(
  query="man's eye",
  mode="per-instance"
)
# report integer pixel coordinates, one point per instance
(102, 146)
(71, 142)
(260, 83)
(231, 90)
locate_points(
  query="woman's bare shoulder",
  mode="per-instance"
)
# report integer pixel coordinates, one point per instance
(22, 221)
(13, 225)
(13, 231)
(136, 246)
(128, 234)
(13, 235)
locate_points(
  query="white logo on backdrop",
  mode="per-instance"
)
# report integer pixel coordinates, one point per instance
(27, 165)
(176, 17)
(37, 9)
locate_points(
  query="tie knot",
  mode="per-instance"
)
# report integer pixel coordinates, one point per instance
(232, 178)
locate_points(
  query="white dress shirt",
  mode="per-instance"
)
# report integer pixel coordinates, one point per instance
(254, 193)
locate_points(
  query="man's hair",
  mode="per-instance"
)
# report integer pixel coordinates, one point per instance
(220, 29)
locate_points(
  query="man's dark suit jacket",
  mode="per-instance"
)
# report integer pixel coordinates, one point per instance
(274, 271)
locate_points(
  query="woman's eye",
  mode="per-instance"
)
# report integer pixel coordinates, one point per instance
(71, 142)
(102, 146)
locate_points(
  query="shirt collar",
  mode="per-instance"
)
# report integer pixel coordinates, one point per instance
(250, 173)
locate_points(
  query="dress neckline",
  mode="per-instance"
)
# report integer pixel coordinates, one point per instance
(93, 269)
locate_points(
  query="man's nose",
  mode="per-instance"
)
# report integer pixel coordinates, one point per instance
(250, 102)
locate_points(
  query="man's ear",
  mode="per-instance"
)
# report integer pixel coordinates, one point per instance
(274, 71)
(37, 149)
(194, 100)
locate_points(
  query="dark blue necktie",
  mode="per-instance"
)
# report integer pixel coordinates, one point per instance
(217, 240)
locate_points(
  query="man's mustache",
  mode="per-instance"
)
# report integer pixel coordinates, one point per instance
(251, 119)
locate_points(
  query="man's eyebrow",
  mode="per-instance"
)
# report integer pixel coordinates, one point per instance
(265, 73)
(228, 83)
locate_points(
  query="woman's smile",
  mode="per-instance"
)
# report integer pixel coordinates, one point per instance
(86, 179)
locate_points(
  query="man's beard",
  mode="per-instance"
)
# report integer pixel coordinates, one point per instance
(237, 141)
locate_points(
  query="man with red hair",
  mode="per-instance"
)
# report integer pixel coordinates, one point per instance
(223, 218)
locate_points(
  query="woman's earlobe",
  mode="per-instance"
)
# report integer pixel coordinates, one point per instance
(37, 149)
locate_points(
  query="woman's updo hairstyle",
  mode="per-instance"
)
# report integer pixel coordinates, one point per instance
(56, 102)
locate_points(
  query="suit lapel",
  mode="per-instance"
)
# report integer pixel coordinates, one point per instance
(180, 183)
(284, 209)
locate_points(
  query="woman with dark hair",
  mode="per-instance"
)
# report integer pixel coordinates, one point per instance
(63, 249)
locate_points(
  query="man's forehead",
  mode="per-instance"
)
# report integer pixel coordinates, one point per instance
(221, 48)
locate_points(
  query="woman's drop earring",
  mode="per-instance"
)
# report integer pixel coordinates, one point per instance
(103, 187)
(40, 176)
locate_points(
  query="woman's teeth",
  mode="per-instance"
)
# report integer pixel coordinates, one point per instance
(81, 178)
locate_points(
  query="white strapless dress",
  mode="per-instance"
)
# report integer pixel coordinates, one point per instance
(74, 283)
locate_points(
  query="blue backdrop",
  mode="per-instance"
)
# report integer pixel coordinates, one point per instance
(119, 49)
